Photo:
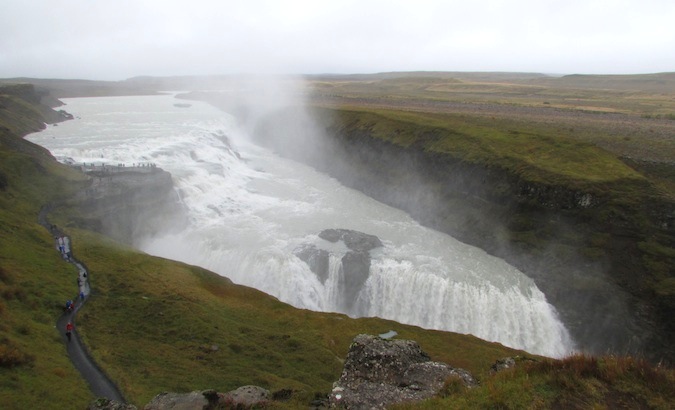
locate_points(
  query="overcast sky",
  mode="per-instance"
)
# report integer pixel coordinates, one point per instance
(115, 40)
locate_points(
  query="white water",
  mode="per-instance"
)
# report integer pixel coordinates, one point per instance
(248, 214)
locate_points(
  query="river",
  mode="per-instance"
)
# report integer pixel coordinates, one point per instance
(249, 210)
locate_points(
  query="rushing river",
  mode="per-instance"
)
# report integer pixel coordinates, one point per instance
(249, 210)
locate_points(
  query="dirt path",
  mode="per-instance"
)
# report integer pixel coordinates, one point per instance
(99, 383)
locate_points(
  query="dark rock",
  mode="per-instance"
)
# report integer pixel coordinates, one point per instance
(379, 373)
(356, 241)
(317, 259)
(355, 263)
(355, 267)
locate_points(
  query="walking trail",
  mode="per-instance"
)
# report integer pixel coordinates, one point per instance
(99, 383)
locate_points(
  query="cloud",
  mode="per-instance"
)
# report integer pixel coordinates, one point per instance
(116, 40)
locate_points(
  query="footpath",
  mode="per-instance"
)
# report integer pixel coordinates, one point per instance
(99, 383)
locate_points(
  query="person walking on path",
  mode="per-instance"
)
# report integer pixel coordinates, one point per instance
(69, 330)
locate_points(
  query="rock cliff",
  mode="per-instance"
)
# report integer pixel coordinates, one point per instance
(128, 203)
(355, 262)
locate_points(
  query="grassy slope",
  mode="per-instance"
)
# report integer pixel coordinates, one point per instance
(576, 382)
(152, 322)
(534, 153)
(34, 281)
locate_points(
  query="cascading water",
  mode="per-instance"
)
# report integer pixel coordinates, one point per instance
(250, 211)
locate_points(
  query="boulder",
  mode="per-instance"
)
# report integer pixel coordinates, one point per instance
(379, 373)
(196, 400)
(316, 259)
(355, 240)
(245, 397)
(503, 364)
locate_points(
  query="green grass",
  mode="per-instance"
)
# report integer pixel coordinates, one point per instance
(534, 154)
(34, 284)
(576, 382)
(152, 322)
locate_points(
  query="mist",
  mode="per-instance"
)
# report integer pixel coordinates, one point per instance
(451, 197)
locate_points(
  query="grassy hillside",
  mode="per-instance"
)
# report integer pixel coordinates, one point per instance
(157, 325)
(34, 281)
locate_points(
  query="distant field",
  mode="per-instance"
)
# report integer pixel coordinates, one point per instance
(630, 116)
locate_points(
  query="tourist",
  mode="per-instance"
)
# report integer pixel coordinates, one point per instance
(69, 330)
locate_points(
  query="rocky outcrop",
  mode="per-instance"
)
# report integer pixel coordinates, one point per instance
(127, 203)
(317, 259)
(355, 262)
(379, 373)
(245, 397)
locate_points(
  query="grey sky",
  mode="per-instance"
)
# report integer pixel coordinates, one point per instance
(114, 40)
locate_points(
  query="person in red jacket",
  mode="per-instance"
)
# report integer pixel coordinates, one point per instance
(69, 330)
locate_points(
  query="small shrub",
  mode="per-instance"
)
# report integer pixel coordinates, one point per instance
(14, 292)
(59, 372)
(452, 385)
(11, 356)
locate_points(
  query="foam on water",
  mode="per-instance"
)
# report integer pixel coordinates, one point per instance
(249, 209)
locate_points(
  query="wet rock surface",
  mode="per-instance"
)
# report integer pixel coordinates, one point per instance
(317, 259)
(355, 240)
(379, 373)
(355, 262)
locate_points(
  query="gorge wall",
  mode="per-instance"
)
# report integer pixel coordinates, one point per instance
(592, 249)
(127, 203)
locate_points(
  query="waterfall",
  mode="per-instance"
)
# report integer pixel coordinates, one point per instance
(250, 210)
